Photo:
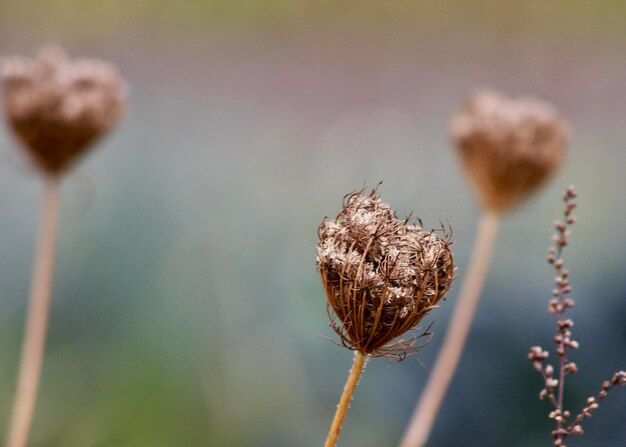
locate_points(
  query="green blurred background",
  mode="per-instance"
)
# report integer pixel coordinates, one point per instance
(187, 310)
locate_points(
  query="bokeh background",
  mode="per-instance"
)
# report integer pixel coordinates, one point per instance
(187, 309)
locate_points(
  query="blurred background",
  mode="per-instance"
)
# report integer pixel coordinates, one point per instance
(187, 309)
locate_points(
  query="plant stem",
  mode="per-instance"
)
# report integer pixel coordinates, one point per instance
(37, 320)
(346, 397)
(426, 411)
(560, 317)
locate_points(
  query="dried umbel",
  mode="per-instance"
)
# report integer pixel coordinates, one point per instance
(382, 275)
(509, 147)
(58, 107)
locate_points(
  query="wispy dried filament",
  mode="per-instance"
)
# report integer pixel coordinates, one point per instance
(509, 147)
(382, 275)
(58, 107)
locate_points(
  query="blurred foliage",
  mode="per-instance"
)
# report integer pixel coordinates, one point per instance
(296, 16)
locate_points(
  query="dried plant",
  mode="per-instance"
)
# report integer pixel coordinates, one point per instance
(554, 386)
(56, 107)
(508, 148)
(381, 275)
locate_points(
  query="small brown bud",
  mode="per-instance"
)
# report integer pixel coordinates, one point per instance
(537, 354)
(573, 344)
(571, 368)
(57, 107)
(382, 275)
(552, 383)
(564, 324)
(553, 306)
(560, 432)
(509, 147)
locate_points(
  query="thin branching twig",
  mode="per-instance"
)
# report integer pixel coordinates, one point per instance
(554, 381)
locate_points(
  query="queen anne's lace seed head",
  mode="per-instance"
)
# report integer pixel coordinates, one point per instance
(509, 147)
(382, 275)
(58, 107)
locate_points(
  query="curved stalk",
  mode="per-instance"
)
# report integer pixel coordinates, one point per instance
(346, 397)
(432, 397)
(37, 320)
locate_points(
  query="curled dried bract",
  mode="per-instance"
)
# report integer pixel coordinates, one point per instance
(57, 107)
(382, 275)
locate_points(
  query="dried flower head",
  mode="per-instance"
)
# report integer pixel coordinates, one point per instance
(509, 147)
(58, 107)
(382, 275)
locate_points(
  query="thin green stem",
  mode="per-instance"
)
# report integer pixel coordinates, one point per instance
(426, 411)
(37, 320)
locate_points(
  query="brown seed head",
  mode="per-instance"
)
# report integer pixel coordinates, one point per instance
(509, 147)
(57, 106)
(382, 275)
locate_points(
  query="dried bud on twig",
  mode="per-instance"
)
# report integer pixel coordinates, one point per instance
(509, 147)
(57, 106)
(558, 306)
(382, 275)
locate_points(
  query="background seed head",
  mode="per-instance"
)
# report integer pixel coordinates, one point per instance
(508, 147)
(57, 107)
